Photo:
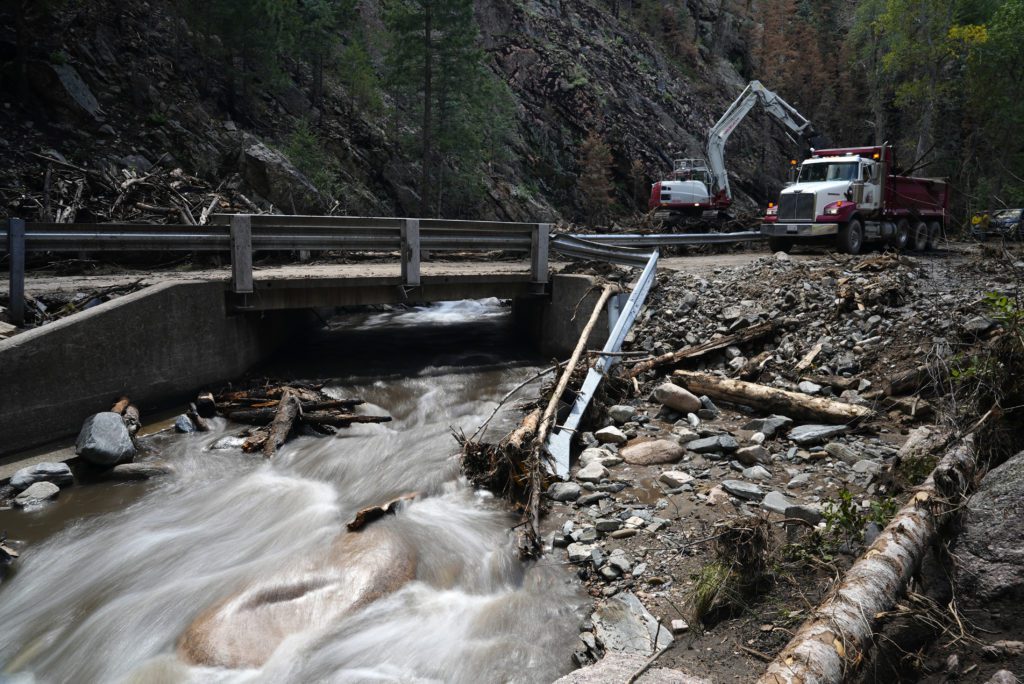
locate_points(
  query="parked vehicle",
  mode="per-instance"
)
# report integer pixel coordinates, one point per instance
(853, 195)
(1003, 223)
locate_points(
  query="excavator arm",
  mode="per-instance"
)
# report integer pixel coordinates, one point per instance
(721, 131)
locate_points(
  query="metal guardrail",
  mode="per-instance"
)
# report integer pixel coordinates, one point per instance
(671, 239)
(245, 234)
(585, 248)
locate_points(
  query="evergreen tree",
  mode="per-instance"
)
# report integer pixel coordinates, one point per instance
(595, 181)
(435, 64)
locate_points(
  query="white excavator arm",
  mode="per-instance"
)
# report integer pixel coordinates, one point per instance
(721, 131)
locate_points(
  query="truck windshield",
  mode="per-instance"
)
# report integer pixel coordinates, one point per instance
(831, 171)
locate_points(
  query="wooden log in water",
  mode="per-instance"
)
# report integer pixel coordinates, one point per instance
(289, 411)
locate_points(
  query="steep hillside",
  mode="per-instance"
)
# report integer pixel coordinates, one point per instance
(114, 86)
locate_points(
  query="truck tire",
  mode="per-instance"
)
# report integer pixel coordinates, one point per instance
(851, 237)
(902, 235)
(934, 234)
(780, 244)
(920, 237)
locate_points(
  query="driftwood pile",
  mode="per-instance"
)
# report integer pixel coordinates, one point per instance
(72, 193)
(278, 411)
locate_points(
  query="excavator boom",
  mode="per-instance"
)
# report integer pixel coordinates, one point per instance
(720, 132)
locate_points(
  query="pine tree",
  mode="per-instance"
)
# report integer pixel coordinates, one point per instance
(595, 181)
(435, 63)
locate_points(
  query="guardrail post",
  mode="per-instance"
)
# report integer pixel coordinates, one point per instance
(16, 256)
(411, 252)
(539, 253)
(241, 254)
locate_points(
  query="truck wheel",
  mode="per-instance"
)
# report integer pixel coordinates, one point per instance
(920, 236)
(934, 234)
(902, 235)
(851, 237)
(780, 244)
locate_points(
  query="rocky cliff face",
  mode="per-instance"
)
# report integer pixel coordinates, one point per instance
(115, 87)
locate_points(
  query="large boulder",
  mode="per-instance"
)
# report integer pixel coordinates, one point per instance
(271, 175)
(37, 494)
(651, 452)
(990, 555)
(57, 473)
(677, 398)
(619, 667)
(244, 630)
(60, 85)
(104, 440)
(624, 625)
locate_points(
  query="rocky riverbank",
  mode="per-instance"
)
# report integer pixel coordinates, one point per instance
(648, 516)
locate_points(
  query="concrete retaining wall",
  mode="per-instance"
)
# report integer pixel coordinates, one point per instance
(158, 345)
(556, 324)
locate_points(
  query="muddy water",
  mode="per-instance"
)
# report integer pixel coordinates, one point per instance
(108, 596)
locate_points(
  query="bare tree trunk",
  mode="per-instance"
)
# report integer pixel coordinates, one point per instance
(426, 134)
(288, 412)
(792, 404)
(834, 639)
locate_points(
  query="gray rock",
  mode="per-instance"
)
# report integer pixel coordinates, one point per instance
(757, 473)
(37, 494)
(753, 455)
(579, 553)
(588, 499)
(808, 387)
(842, 452)
(61, 85)
(619, 667)
(602, 456)
(46, 471)
(621, 413)
(652, 452)
(142, 470)
(619, 560)
(594, 472)
(675, 478)
(1003, 677)
(770, 425)
(607, 524)
(990, 557)
(564, 491)
(810, 435)
(776, 502)
(271, 175)
(798, 480)
(865, 466)
(677, 398)
(708, 405)
(184, 424)
(709, 444)
(611, 435)
(229, 442)
(808, 514)
(978, 325)
(104, 440)
(743, 490)
(623, 625)
(587, 535)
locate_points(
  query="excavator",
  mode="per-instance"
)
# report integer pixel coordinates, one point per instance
(699, 188)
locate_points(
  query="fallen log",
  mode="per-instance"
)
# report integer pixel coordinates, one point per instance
(745, 335)
(793, 404)
(529, 534)
(341, 419)
(287, 413)
(368, 515)
(518, 438)
(833, 640)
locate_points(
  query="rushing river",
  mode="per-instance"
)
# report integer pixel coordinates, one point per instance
(104, 591)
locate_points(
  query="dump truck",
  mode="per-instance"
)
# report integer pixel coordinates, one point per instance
(852, 196)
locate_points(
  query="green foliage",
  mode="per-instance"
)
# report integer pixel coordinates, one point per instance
(1004, 309)
(845, 519)
(306, 151)
(356, 71)
(461, 112)
(156, 119)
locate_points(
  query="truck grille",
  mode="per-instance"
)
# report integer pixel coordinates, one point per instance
(796, 207)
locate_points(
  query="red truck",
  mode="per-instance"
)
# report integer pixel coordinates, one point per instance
(854, 195)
